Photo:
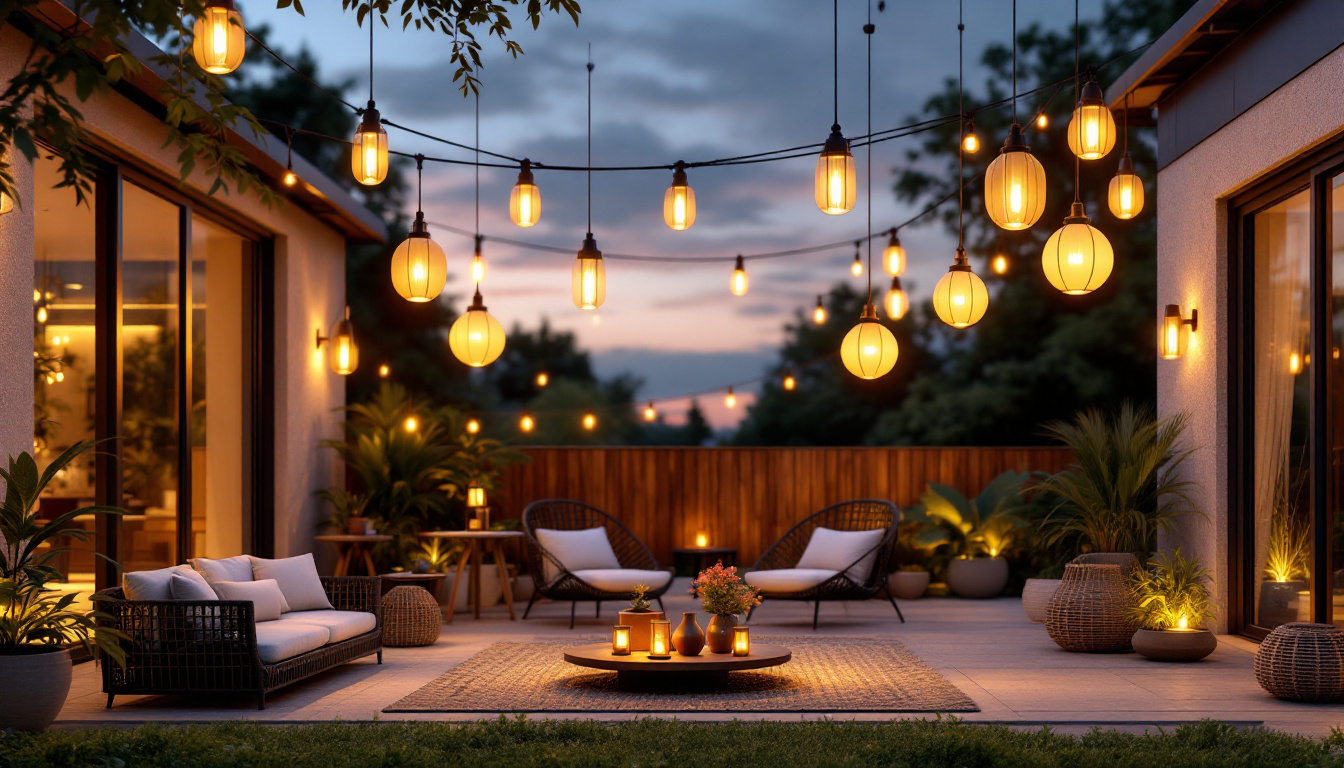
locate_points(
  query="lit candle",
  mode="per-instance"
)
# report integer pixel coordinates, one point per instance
(660, 639)
(701, 539)
(741, 641)
(620, 640)
(474, 524)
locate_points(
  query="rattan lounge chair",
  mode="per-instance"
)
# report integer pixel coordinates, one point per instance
(563, 584)
(863, 515)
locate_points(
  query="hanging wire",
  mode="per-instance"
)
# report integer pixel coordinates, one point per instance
(370, 51)
(419, 182)
(478, 170)
(868, 30)
(835, 60)
(1077, 45)
(590, 140)
(1014, 54)
(961, 90)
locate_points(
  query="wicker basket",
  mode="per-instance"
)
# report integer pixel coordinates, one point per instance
(411, 616)
(1087, 613)
(1302, 662)
(1036, 594)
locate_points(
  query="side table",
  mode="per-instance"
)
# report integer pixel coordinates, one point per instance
(352, 549)
(476, 545)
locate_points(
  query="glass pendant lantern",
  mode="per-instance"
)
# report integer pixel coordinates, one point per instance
(836, 184)
(1092, 128)
(419, 265)
(476, 337)
(219, 39)
(525, 200)
(1077, 258)
(589, 276)
(1015, 184)
(893, 256)
(896, 302)
(679, 200)
(1125, 194)
(960, 297)
(869, 350)
(478, 263)
(368, 156)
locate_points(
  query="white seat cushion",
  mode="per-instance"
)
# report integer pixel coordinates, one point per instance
(157, 585)
(788, 580)
(237, 568)
(280, 640)
(839, 550)
(585, 550)
(342, 625)
(623, 579)
(298, 580)
(268, 602)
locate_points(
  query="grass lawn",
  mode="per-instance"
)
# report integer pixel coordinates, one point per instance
(520, 744)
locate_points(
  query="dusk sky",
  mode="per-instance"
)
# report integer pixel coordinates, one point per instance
(692, 80)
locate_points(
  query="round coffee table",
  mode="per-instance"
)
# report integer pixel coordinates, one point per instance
(708, 671)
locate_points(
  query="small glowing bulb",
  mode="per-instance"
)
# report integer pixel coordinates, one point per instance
(790, 383)
(1015, 198)
(856, 268)
(543, 379)
(1183, 622)
(819, 314)
(589, 422)
(970, 143)
(701, 539)
(37, 295)
(730, 399)
(1042, 122)
(1294, 363)
(41, 314)
(999, 265)
(411, 424)
(738, 284)
(649, 413)
(477, 268)
(290, 179)
(384, 371)
(527, 423)
(60, 375)
(473, 426)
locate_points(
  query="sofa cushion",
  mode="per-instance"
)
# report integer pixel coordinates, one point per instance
(833, 550)
(342, 625)
(237, 568)
(280, 640)
(157, 584)
(268, 602)
(787, 580)
(298, 580)
(583, 550)
(623, 580)
(190, 587)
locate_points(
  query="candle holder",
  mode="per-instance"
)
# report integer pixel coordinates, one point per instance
(742, 641)
(620, 640)
(660, 639)
(473, 524)
(701, 539)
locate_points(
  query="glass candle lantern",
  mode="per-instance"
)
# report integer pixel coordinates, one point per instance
(620, 640)
(701, 539)
(660, 639)
(473, 524)
(741, 641)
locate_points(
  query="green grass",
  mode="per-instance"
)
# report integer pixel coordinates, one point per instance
(522, 744)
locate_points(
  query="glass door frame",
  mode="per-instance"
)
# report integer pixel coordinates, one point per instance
(1313, 173)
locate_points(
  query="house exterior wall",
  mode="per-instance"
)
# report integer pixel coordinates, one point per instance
(16, 295)
(1193, 255)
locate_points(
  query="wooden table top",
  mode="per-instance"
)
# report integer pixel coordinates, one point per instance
(352, 538)
(598, 656)
(472, 534)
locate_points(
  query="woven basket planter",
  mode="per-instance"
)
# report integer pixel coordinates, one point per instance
(1036, 594)
(1302, 662)
(411, 616)
(1087, 612)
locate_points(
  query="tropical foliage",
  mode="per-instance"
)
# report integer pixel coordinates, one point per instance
(963, 528)
(639, 601)
(1172, 593)
(1289, 553)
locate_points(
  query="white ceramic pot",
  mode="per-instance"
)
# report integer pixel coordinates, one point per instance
(908, 585)
(977, 577)
(35, 686)
(1036, 594)
(490, 591)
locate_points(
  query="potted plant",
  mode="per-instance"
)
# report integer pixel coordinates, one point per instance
(38, 624)
(909, 582)
(1286, 568)
(638, 616)
(724, 595)
(975, 534)
(1172, 606)
(347, 511)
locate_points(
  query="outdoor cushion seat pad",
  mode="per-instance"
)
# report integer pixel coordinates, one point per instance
(788, 580)
(582, 550)
(834, 550)
(623, 579)
(342, 625)
(284, 639)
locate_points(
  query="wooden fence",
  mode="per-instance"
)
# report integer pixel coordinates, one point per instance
(747, 497)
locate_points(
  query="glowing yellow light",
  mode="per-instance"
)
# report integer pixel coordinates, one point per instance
(525, 200)
(476, 337)
(660, 639)
(60, 375)
(37, 295)
(42, 314)
(1172, 337)
(738, 282)
(819, 313)
(344, 352)
(526, 423)
(477, 264)
(419, 266)
(679, 200)
(869, 350)
(893, 256)
(6, 203)
(835, 187)
(999, 265)
(1015, 185)
(589, 422)
(291, 179)
(218, 38)
(384, 371)
(895, 303)
(742, 641)
(473, 426)
(1077, 259)
(620, 640)
(701, 539)
(475, 495)
(1294, 363)
(1124, 196)
(1042, 122)
(368, 156)
(970, 143)
(543, 379)
(411, 424)
(790, 383)
(1183, 622)
(1092, 128)
(730, 399)
(960, 297)
(589, 276)
(856, 266)
(649, 413)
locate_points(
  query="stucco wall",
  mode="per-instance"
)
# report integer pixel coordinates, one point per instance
(16, 300)
(1192, 270)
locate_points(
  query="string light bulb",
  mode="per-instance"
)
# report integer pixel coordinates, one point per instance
(1092, 127)
(856, 266)
(790, 383)
(738, 283)
(896, 302)
(473, 426)
(1042, 121)
(730, 399)
(650, 413)
(589, 421)
(960, 297)
(525, 199)
(476, 337)
(219, 39)
(819, 313)
(970, 143)
(869, 350)
(543, 379)
(589, 277)
(679, 200)
(527, 423)
(411, 424)
(893, 256)
(478, 263)
(1077, 258)
(384, 371)
(999, 264)
(342, 352)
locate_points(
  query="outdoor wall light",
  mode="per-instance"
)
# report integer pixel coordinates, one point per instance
(1077, 258)
(525, 200)
(835, 186)
(730, 399)
(218, 38)
(368, 154)
(589, 278)
(343, 352)
(589, 422)
(819, 313)
(893, 256)
(1092, 128)
(1125, 194)
(650, 413)
(475, 494)
(895, 302)
(869, 350)
(527, 423)
(477, 263)
(1015, 184)
(960, 297)
(1175, 331)
(679, 200)
(738, 283)
(856, 266)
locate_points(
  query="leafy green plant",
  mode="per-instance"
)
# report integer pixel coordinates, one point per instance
(344, 505)
(959, 527)
(1288, 556)
(1124, 486)
(438, 556)
(1172, 593)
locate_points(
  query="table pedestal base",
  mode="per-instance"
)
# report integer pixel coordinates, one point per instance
(678, 681)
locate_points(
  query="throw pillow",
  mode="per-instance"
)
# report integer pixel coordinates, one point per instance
(851, 551)
(156, 584)
(267, 600)
(237, 568)
(298, 580)
(190, 587)
(583, 550)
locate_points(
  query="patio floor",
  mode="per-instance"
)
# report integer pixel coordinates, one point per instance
(988, 649)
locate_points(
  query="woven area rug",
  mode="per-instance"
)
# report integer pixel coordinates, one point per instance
(833, 674)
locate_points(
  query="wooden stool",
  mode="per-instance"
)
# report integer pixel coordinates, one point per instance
(411, 616)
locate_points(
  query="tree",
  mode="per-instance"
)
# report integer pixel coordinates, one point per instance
(514, 375)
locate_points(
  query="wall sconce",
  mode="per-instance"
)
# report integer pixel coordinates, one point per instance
(343, 352)
(1174, 331)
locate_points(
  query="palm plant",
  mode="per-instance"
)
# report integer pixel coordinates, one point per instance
(964, 528)
(1124, 486)
(1172, 593)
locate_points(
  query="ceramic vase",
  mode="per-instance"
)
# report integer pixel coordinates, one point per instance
(689, 639)
(638, 622)
(719, 637)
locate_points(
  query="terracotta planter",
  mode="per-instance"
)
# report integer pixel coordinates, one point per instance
(638, 621)
(1174, 644)
(908, 585)
(977, 578)
(1036, 594)
(689, 639)
(36, 686)
(356, 526)
(719, 636)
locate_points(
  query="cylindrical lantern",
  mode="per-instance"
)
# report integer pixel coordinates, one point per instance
(476, 337)
(620, 640)
(1092, 128)
(896, 302)
(835, 187)
(1015, 184)
(589, 421)
(742, 641)
(960, 297)
(738, 282)
(368, 156)
(660, 639)
(475, 494)
(1077, 258)
(1173, 334)
(679, 200)
(702, 539)
(589, 278)
(473, 524)
(819, 313)
(419, 265)
(342, 352)
(893, 256)
(869, 350)
(1125, 194)
(218, 38)
(525, 200)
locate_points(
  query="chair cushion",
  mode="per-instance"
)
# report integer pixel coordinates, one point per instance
(298, 580)
(831, 550)
(342, 625)
(190, 587)
(237, 568)
(787, 580)
(268, 602)
(623, 580)
(280, 640)
(157, 584)
(583, 550)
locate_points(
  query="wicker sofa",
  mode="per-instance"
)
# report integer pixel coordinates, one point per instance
(211, 646)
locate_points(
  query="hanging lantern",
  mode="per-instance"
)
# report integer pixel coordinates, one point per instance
(790, 383)
(1015, 184)
(819, 313)
(589, 279)
(477, 263)
(650, 413)
(218, 37)
(896, 302)
(1077, 258)
(419, 265)
(473, 426)
(368, 156)
(960, 297)
(730, 399)
(856, 266)
(525, 200)
(893, 256)
(738, 284)
(527, 423)
(1092, 128)
(970, 143)
(869, 350)
(543, 379)
(589, 422)
(679, 200)
(475, 495)
(835, 186)
(1125, 195)
(476, 337)
(342, 352)
(6, 203)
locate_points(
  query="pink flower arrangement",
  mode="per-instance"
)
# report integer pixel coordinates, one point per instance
(723, 593)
